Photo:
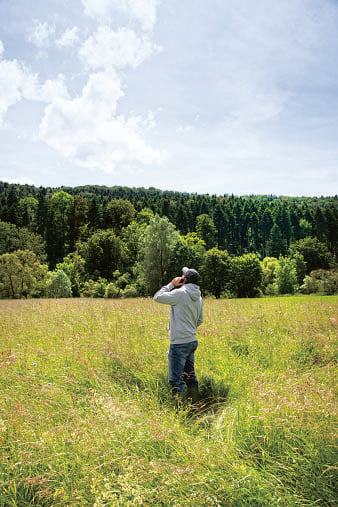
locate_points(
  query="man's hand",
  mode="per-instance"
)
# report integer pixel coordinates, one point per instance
(177, 282)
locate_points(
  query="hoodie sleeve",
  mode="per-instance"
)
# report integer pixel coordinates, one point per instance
(200, 317)
(166, 296)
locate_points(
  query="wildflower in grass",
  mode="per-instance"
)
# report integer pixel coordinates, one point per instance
(35, 364)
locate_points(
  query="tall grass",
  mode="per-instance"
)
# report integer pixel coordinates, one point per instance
(86, 417)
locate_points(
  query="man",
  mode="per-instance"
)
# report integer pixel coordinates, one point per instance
(186, 313)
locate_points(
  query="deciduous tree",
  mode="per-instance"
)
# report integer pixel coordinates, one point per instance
(119, 213)
(74, 267)
(315, 253)
(59, 286)
(269, 268)
(215, 271)
(286, 276)
(22, 275)
(103, 254)
(246, 276)
(158, 243)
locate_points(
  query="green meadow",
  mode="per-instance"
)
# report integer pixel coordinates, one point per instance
(86, 417)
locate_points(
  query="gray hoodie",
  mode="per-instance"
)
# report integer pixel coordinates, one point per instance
(186, 310)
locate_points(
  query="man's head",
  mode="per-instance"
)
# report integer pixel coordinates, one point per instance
(190, 275)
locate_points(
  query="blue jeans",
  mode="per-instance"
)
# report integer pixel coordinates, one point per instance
(181, 366)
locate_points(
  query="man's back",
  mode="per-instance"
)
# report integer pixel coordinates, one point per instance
(186, 311)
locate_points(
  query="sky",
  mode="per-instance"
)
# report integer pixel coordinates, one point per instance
(219, 97)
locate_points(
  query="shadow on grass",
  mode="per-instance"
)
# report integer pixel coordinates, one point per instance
(213, 392)
(213, 395)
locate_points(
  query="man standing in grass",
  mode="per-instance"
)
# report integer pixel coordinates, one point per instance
(186, 313)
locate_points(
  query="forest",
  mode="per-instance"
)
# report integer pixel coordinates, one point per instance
(98, 241)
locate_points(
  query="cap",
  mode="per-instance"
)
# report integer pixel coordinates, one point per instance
(191, 275)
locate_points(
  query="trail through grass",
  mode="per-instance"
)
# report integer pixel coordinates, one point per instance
(86, 417)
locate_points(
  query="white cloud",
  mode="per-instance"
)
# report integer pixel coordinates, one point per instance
(100, 10)
(69, 38)
(52, 89)
(40, 34)
(108, 48)
(143, 11)
(87, 130)
(17, 82)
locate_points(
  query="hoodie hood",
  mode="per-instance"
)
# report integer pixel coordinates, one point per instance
(193, 290)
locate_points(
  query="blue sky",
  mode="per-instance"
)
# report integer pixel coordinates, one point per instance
(208, 97)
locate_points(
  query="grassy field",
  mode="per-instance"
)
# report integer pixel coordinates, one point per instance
(86, 417)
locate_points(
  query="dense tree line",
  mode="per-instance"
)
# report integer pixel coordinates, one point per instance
(127, 241)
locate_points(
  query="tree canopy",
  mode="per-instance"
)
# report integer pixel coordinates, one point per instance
(92, 232)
